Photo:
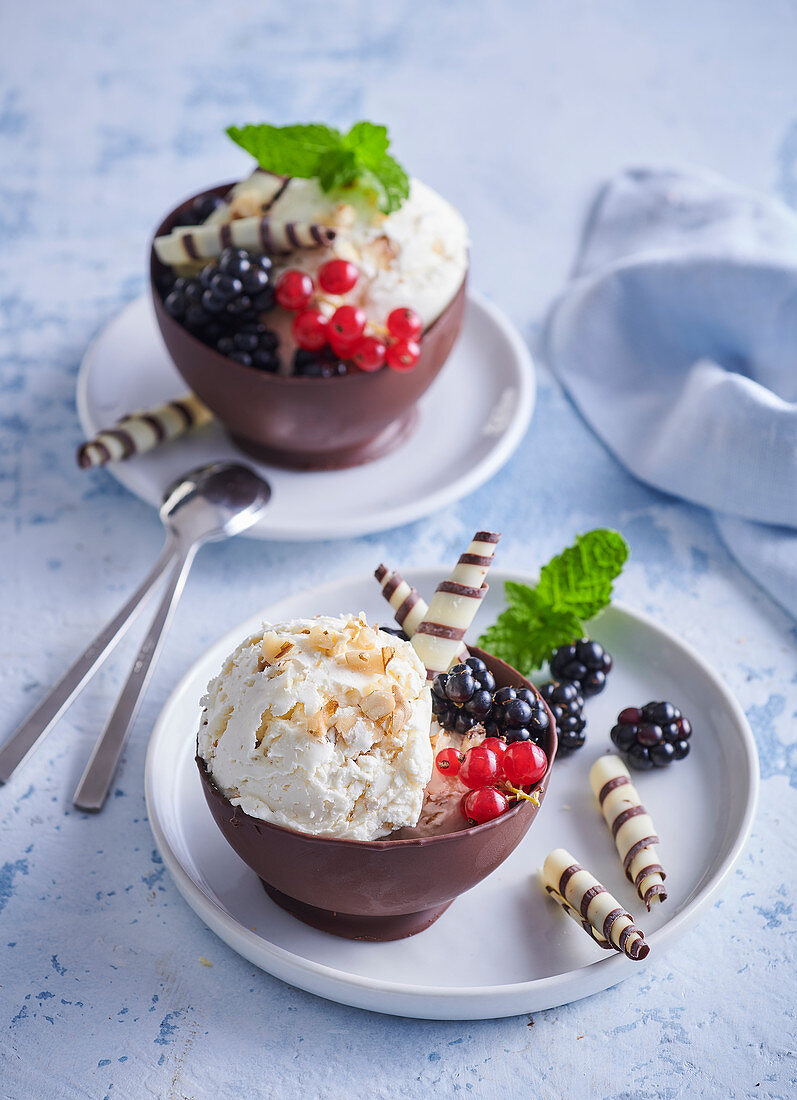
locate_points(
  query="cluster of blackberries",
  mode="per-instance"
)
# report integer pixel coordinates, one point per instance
(584, 663)
(652, 736)
(466, 696)
(222, 304)
(567, 707)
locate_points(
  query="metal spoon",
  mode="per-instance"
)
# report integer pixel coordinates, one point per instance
(207, 504)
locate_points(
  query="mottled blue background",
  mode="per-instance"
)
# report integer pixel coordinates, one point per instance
(515, 111)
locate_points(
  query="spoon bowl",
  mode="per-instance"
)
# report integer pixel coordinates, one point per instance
(214, 502)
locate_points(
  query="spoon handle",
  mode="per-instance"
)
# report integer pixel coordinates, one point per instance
(50, 709)
(92, 790)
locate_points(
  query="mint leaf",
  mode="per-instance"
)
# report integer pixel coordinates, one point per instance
(337, 160)
(391, 184)
(573, 587)
(337, 168)
(580, 578)
(368, 142)
(288, 150)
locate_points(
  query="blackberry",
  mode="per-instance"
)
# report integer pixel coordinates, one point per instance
(397, 632)
(254, 345)
(652, 736)
(519, 715)
(463, 696)
(567, 707)
(318, 364)
(584, 663)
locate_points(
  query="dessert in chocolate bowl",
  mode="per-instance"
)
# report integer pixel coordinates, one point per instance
(311, 304)
(328, 774)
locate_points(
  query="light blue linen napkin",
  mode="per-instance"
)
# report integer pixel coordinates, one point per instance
(677, 340)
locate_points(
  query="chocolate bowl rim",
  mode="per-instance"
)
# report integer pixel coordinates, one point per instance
(290, 379)
(386, 843)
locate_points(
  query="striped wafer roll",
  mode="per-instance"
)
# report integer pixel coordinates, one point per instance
(141, 431)
(587, 901)
(408, 604)
(631, 827)
(439, 637)
(262, 234)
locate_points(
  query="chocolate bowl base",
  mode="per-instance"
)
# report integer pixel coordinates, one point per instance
(350, 926)
(386, 441)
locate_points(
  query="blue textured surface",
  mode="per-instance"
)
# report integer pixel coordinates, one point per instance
(107, 113)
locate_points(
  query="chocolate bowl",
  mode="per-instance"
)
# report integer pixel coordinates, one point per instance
(305, 423)
(377, 889)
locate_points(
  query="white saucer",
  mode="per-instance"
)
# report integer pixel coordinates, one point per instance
(533, 957)
(471, 420)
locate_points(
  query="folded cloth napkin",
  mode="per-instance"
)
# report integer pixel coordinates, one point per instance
(677, 340)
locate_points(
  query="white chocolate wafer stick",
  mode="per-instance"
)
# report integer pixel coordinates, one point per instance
(588, 902)
(631, 827)
(408, 604)
(141, 431)
(263, 234)
(439, 637)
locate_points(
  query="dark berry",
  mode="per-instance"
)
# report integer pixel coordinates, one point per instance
(439, 685)
(662, 754)
(317, 364)
(397, 632)
(204, 205)
(480, 703)
(623, 736)
(585, 663)
(648, 735)
(660, 713)
(652, 736)
(485, 680)
(439, 706)
(475, 664)
(567, 708)
(464, 722)
(461, 685)
(639, 757)
(516, 712)
(516, 733)
(242, 357)
(504, 694)
(175, 304)
(234, 261)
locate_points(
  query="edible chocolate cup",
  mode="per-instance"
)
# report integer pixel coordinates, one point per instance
(377, 889)
(306, 423)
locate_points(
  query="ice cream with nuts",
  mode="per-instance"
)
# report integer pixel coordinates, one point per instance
(322, 726)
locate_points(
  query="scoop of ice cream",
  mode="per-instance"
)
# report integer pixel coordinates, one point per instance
(323, 726)
(417, 256)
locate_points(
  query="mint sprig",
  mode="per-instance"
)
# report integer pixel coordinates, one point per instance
(358, 158)
(573, 587)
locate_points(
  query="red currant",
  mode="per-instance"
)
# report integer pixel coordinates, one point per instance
(483, 805)
(496, 745)
(479, 767)
(309, 329)
(348, 323)
(369, 353)
(342, 347)
(631, 716)
(448, 761)
(294, 290)
(337, 276)
(404, 323)
(524, 764)
(403, 355)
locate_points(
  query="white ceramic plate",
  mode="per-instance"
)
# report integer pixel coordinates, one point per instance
(703, 809)
(471, 420)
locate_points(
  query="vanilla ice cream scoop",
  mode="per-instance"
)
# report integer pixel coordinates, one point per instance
(323, 726)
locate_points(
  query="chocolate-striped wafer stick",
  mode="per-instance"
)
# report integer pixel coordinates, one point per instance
(631, 827)
(141, 431)
(263, 234)
(408, 604)
(587, 901)
(439, 637)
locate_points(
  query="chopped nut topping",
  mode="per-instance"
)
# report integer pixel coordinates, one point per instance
(403, 711)
(274, 646)
(365, 661)
(378, 705)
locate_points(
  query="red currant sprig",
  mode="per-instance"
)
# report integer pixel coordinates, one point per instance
(494, 773)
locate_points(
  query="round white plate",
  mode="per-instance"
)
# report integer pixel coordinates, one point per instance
(703, 809)
(471, 420)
